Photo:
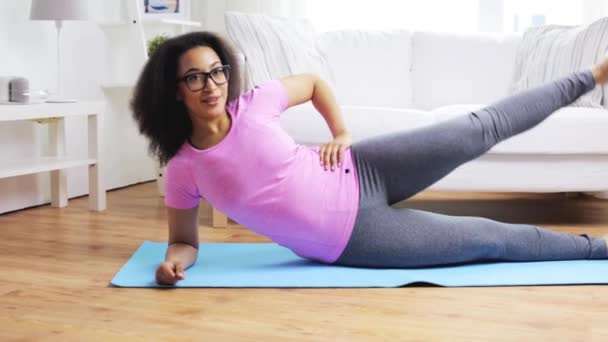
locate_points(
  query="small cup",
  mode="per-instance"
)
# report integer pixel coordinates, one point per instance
(19, 89)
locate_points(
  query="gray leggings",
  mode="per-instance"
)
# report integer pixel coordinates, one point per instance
(394, 167)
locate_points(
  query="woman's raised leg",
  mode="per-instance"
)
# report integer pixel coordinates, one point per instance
(409, 162)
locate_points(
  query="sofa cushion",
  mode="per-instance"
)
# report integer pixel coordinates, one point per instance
(370, 68)
(306, 125)
(449, 68)
(550, 52)
(275, 47)
(570, 130)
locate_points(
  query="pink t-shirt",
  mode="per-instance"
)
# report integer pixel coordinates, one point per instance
(262, 179)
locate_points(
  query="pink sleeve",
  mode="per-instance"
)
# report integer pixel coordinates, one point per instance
(180, 189)
(267, 99)
(275, 90)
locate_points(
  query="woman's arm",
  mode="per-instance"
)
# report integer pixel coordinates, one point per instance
(183, 235)
(305, 87)
(183, 245)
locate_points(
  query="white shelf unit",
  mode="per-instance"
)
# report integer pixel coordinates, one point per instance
(127, 34)
(15, 168)
(54, 114)
(126, 53)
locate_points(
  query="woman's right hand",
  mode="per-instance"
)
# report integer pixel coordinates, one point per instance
(169, 272)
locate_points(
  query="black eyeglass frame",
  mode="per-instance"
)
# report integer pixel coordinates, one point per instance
(207, 75)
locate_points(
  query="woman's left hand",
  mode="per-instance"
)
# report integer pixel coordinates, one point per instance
(332, 154)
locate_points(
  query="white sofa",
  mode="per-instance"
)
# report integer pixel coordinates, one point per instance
(394, 81)
(388, 81)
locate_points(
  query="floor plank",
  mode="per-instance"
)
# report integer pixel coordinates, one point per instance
(56, 264)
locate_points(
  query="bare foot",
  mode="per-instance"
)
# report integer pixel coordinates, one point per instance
(600, 72)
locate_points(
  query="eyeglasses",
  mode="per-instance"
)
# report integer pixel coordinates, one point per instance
(198, 80)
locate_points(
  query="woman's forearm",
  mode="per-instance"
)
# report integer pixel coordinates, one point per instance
(184, 253)
(325, 102)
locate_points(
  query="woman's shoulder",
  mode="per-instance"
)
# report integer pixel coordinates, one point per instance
(264, 86)
(261, 93)
(181, 158)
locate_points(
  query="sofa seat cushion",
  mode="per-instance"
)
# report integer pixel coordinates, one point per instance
(307, 126)
(570, 130)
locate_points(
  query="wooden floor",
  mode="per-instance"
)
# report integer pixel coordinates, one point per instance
(56, 264)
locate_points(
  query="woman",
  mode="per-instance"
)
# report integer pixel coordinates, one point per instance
(330, 203)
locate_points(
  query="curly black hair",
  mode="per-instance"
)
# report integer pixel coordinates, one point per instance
(160, 116)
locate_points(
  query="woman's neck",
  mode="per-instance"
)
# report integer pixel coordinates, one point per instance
(209, 133)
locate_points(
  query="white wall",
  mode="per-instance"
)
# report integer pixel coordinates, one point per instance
(490, 16)
(594, 9)
(27, 48)
(211, 12)
(499, 15)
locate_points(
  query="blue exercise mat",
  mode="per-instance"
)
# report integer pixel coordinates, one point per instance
(271, 265)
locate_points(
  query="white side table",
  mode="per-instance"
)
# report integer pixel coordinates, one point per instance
(55, 113)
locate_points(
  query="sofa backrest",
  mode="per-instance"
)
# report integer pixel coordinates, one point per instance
(450, 68)
(395, 69)
(369, 68)
(423, 70)
(274, 47)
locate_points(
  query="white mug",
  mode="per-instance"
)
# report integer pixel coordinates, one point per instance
(19, 89)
